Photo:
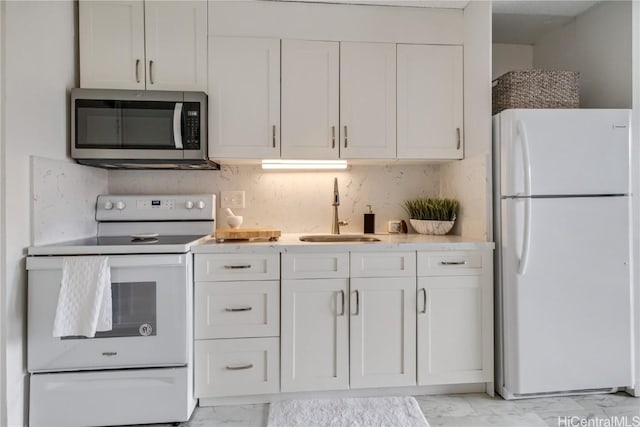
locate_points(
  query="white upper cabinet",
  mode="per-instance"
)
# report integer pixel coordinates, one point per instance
(176, 45)
(155, 45)
(111, 37)
(244, 98)
(367, 100)
(310, 93)
(430, 102)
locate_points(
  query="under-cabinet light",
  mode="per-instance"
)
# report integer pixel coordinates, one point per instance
(304, 164)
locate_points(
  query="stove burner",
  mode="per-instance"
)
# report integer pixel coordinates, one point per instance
(144, 236)
(144, 240)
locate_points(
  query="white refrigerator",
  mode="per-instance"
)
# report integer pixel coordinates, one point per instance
(562, 230)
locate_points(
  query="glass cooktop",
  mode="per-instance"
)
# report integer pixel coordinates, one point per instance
(140, 243)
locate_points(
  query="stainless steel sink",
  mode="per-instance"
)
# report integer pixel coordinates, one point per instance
(338, 238)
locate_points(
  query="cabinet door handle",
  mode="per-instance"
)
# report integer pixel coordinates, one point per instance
(236, 267)
(346, 139)
(341, 293)
(424, 300)
(239, 367)
(151, 72)
(273, 135)
(453, 262)
(458, 137)
(137, 71)
(357, 303)
(333, 137)
(236, 309)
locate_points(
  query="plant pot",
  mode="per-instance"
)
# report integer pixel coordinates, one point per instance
(431, 227)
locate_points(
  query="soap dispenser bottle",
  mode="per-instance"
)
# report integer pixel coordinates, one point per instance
(369, 221)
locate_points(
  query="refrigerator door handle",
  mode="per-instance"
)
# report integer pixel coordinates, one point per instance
(526, 239)
(526, 160)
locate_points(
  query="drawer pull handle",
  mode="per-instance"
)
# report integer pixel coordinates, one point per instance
(235, 267)
(239, 367)
(235, 310)
(453, 262)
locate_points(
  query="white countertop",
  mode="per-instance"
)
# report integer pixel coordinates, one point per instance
(392, 242)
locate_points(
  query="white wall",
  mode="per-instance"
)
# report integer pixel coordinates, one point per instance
(598, 45)
(296, 201)
(510, 57)
(3, 225)
(635, 186)
(38, 68)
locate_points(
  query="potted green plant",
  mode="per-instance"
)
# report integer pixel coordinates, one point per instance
(431, 215)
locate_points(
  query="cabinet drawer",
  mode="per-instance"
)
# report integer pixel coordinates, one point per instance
(237, 309)
(451, 263)
(383, 264)
(237, 367)
(225, 267)
(315, 266)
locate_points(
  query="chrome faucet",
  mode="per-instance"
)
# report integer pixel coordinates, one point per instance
(336, 223)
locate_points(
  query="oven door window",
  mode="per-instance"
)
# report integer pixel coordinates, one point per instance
(134, 310)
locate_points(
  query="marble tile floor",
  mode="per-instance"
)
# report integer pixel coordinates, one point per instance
(471, 410)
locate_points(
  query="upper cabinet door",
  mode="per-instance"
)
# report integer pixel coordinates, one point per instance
(244, 98)
(176, 45)
(367, 100)
(310, 92)
(111, 37)
(430, 103)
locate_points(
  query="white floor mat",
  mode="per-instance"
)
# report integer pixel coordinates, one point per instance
(350, 412)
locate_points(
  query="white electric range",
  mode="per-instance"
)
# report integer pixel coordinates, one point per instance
(142, 370)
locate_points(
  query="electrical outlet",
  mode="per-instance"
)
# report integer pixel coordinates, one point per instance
(232, 199)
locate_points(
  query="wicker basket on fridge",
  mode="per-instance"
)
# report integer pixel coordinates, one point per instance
(536, 89)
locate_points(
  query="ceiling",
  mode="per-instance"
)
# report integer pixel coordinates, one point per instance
(526, 21)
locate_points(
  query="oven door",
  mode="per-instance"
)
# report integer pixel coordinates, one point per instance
(152, 306)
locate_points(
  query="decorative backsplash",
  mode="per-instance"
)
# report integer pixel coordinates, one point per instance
(63, 199)
(296, 201)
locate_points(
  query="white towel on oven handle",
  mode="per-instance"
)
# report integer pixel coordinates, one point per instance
(84, 302)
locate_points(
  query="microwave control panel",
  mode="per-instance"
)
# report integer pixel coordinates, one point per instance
(191, 138)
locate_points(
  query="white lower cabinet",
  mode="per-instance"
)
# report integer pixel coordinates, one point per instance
(340, 320)
(455, 318)
(383, 332)
(339, 332)
(315, 334)
(236, 367)
(237, 325)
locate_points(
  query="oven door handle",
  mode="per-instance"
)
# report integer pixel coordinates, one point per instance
(177, 125)
(115, 261)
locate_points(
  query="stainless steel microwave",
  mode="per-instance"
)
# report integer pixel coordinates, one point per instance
(130, 129)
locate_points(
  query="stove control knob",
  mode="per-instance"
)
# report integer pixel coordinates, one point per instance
(189, 205)
(120, 205)
(200, 204)
(108, 205)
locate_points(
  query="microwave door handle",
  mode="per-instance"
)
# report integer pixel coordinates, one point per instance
(177, 125)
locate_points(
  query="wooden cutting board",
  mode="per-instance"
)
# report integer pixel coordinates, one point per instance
(259, 233)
